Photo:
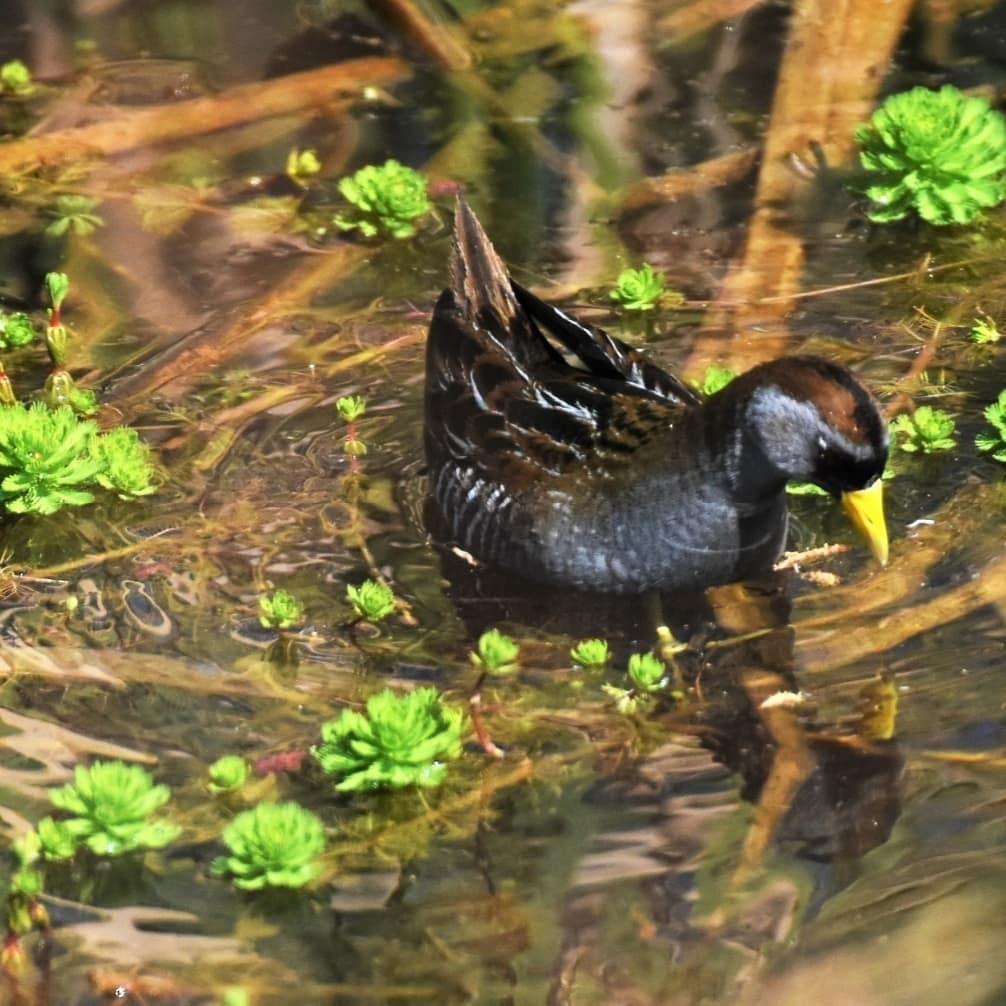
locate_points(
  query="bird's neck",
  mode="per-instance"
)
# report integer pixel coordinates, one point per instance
(753, 479)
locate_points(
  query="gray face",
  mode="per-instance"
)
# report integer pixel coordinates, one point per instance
(841, 451)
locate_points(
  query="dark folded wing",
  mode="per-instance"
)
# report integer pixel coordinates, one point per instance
(499, 396)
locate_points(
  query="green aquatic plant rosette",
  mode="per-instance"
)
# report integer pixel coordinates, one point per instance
(272, 845)
(403, 740)
(938, 153)
(389, 197)
(111, 803)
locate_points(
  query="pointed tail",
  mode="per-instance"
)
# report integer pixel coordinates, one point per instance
(478, 276)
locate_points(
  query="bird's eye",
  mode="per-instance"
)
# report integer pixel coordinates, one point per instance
(822, 443)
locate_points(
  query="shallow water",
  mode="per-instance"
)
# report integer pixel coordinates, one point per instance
(708, 849)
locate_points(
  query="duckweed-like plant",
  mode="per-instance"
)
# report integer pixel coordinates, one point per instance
(590, 653)
(715, 379)
(50, 459)
(15, 78)
(57, 839)
(389, 198)
(126, 468)
(985, 331)
(228, 774)
(496, 653)
(279, 610)
(638, 289)
(939, 153)
(994, 442)
(112, 803)
(926, 430)
(647, 672)
(47, 459)
(351, 408)
(372, 600)
(403, 740)
(74, 214)
(16, 329)
(271, 845)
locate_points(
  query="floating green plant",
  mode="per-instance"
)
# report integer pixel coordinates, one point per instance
(15, 78)
(47, 458)
(280, 610)
(647, 672)
(372, 600)
(994, 443)
(388, 198)
(939, 153)
(638, 289)
(112, 803)
(16, 329)
(715, 379)
(228, 774)
(591, 653)
(496, 653)
(351, 408)
(272, 845)
(403, 740)
(50, 459)
(985, 331)
(926, 430)
(74, 214)
(126, 468)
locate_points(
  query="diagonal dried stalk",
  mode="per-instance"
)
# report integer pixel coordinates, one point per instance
(330, 86)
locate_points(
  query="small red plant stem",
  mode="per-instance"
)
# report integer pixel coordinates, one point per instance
(481, 732)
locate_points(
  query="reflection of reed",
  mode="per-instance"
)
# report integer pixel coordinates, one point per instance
(834, 63)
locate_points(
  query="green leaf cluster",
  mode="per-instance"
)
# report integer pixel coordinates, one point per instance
(939, 153)
(496, 653)
(647, 672)
(279, 610)
(591, 653)
(925, 431)
(389, 197)
(351, 407)
(985, 331)
(58, 286)
(372, 600)
(638, 289)
(74, 214)
(111, 803)
(49, 458)
(994, 443)
(271, 845)
(715, 379)
(403, 740)
(15, 78)
(227, 774)
(16, 329)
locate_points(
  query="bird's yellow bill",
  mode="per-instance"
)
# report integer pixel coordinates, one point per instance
(865, 509)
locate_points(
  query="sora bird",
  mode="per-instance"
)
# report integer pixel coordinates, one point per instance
(561, 454)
